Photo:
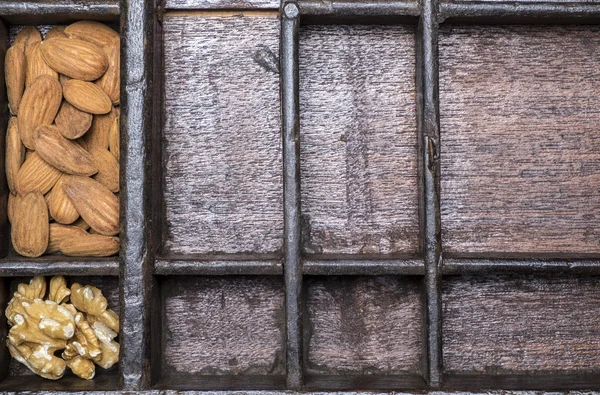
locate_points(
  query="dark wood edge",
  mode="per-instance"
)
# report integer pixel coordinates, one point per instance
(349, 8)
(486, 266)
(47, 266)
(365, 382)
(362, 267)
(200, 382)
(169, 267)
(58, 11)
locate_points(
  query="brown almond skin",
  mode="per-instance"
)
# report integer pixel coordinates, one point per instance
(36, 175)
(75, 58)
(26, 37)
(96, 204)
(110, 82)
(30, 227)
(59, 233)
(59, 204)
(15, 67)
(39, 106)
(80, 223)
(114, 139)
(94, 32)
(56, 32)
(108, 168)
(62, 153)
(12, 201)
(90, 245)
(72, 122)
(36, 65)
(15, 154)
(87, 97)
(99, 134)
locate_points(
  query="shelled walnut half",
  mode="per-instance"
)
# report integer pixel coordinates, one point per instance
(84, 330)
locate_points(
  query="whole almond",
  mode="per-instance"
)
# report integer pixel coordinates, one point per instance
(114, 139)
(95, 203)
(87, 97)
(99, 134)
(90, 245)
(30, 228)
(56, 32)
(27, 36)
(15, 154)
(39, 106)
(12, 201)
(110, 82)
(36, 175)
(94, 32)
(66, 155)
(36, 65)
(108, 168)
(15, 66)
(59, 233)
(80, 223)
(72, 122)
(75, 58)
(59, 204)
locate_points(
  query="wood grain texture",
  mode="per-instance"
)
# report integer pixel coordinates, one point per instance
(222, 4)
(358, 139)
(364, 325)
(222, 138)
(223, 325)
(520, 147)
(515, 325)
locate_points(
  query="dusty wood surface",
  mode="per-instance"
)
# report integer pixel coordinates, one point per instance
(520, 146)
(503, 324)
(223, 325)
(222, 137)
(222, 4)
(358, 139)
(364, 325)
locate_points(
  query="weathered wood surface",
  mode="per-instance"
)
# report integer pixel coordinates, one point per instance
(223, 325)
(222, 4)
(520, 148)
(222, 137)
(503, 324)
(364, 325)
(358, 139)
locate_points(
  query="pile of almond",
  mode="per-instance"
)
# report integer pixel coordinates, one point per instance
(62, 144)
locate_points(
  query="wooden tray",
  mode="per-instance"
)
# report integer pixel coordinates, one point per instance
(345, 195)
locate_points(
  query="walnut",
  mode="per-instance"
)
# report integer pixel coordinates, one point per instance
(90, 300)
(59, 292)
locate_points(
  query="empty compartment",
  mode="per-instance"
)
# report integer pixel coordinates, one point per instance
(222, 332)
(358, 140)
(520, 149)
(17, 377)
(521, 332)
(364, 332)
(222, 164)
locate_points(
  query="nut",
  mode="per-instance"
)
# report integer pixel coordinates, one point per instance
(108, 168)
(114, 139)
(56, 32)
(59, 233)
(36, 175)
(74, 58)
(14, 75)
(90, 300)
(26, 37)
(30, 227)
(99, 133)
(94, 32)
(90, 245)
(72, 122)
(36, 65)
(87, 97)
(60, 206)
(110, 82)
(15, 154)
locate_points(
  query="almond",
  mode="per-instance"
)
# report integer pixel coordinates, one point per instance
(15, 154)
(12, 200)
(36, 65)
(74, 58)
(94, 32)
(27, 36)
(72, 122)
(59, 233)
(59, 204)
(90, 245)
(80, 223)
(30, 228)
(99, 133)
(114, 139)
(66, 155)
(39, 106)
(14, 74)
(63, 78)
(95, 203)
(36, 175)
(110, 82)
(108, 168)
(87, 97)
(56, 32)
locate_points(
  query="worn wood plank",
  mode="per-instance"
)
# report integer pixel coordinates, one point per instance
(514, 325)
(364, 325)
(520, 146)
(222, 152)
(222, 325)
(222, 4)
(358, 139)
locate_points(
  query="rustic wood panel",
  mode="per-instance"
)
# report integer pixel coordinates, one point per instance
(364, 325)
(223, 325)
(520, 146)
(222, 137)
(504, 325)
(358, 139)
(222, 4)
